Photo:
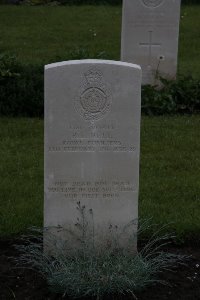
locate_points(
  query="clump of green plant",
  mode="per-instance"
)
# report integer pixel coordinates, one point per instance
(96, 272)
(181, 96)
(8, 67)
(21, 88)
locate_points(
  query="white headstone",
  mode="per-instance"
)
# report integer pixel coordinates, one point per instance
(92, 146)
(150, 33)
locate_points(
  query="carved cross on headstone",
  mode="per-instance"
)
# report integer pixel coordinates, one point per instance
(150, 45)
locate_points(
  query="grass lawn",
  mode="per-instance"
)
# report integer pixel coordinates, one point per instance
(169, 181)
(40, 35)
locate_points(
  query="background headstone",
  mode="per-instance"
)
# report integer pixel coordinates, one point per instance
(92, 141)
(150, 33)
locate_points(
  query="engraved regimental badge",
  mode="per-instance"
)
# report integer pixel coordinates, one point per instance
(152, 3)
(94, 99)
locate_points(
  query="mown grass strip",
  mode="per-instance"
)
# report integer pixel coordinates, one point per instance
(169, 173)
(42, 34)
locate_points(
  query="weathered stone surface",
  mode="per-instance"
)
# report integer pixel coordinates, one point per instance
(92, 146)
(150, 33)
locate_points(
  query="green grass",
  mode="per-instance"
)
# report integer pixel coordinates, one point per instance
(21, 169)
(189, 54)
(40, 35)
(169, 174)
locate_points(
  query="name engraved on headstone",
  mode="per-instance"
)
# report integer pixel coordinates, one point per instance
(92, 138)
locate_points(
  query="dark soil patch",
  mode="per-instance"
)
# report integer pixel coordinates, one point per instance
(23, 284)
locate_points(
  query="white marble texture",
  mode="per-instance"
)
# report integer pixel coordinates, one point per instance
(150, 34)
(92, 147)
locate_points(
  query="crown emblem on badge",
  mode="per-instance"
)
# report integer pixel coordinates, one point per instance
(93, 76)
(152, 3)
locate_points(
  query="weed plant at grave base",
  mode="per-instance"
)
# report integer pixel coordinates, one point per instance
(92, 272)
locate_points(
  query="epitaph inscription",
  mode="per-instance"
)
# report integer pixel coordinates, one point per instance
(80, 190)
(92, 142)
